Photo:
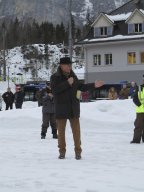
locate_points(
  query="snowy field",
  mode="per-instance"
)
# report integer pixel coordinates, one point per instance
(109, 162)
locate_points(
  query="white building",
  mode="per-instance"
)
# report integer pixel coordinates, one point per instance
(114, 47)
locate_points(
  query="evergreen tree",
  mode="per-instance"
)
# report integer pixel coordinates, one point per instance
(30, 32)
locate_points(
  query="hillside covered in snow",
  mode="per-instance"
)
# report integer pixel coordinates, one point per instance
(36, 62)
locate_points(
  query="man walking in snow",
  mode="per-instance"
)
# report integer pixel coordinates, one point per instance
(65, 86)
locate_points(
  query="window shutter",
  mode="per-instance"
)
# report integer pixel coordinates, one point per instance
(96, 32)
(130, 28)
(142, 27)
(109, 30)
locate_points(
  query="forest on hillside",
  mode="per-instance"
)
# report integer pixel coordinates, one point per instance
(16, 33)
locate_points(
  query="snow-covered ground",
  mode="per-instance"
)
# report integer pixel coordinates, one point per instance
(109, 162)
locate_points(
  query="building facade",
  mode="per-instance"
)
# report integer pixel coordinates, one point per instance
(114, 47)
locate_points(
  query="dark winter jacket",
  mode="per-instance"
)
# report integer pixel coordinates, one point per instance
(38, 97)
(132, 91)
(43, 92)
(48, 104)
(66, 104)
(19, 97)
(8, 97)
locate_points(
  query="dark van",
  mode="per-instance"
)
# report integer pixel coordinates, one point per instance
(31, 89)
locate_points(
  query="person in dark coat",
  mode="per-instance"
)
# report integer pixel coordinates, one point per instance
(19, 98)
(8, 98)
(48, 114)
(65, 86)
(38, 97)
(133, 89)
(45, 90)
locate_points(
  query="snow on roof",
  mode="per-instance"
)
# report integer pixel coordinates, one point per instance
(117, 37)
(142, 11)
(119, 17)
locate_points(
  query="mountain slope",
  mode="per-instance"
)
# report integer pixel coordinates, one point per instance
(55, 11)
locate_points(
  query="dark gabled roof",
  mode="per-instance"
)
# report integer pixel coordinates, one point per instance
(128, 7)
(120, 27)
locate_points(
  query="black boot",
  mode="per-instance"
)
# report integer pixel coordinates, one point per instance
(133, 141)
(61, 156)
(55, 136)
(143, 137)
(78, 157)
(43, 135)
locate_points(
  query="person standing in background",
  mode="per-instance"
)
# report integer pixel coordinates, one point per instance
(112, 93)
(18, 98)
(48, 114)
(124, 92)
(8, 98)
(133, 89)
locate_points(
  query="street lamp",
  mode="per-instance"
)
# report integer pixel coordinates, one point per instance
(4, 46)
(8, 67)
(70, 30)
(19, 74)
(1, 62)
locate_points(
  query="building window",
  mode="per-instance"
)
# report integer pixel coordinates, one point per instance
(108, 59)
(97, 59)
(131, 58)
(142, 57)
(103, 31)
(138, 28)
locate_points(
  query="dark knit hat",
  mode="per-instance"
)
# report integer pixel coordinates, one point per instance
(65, 60)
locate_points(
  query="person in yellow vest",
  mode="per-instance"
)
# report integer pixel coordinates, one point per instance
(138, 99)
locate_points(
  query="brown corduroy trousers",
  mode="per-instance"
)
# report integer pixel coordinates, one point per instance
(75, 126)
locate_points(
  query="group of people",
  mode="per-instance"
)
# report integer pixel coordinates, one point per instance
(11, 98)
(124, 93)
(60, 103)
